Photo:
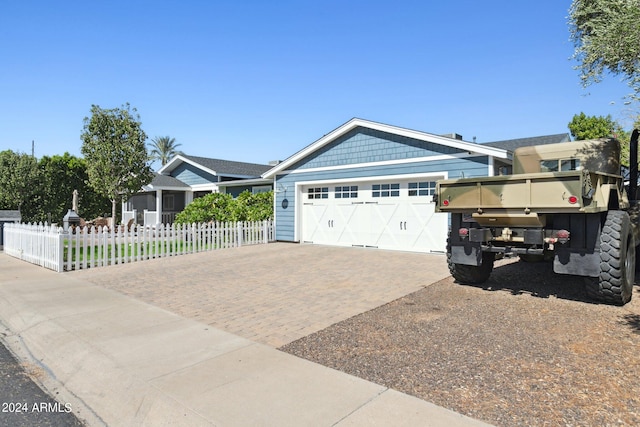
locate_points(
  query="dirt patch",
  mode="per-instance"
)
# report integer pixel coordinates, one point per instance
(527, 348)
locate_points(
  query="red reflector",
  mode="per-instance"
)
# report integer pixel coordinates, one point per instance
(463, 232)
(445, 202)
(573, 200)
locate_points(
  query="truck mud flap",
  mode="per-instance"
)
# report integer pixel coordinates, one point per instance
(466, 255)
(577, 263)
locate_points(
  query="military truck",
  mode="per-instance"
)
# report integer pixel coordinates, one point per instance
(564, 202)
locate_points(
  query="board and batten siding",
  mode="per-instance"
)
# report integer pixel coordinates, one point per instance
(285, 183)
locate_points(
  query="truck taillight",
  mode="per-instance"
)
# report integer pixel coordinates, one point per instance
(573, 200)
(463, 232)
(445, 202)
(563, 236)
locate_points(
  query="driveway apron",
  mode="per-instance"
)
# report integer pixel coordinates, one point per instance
(274, 293)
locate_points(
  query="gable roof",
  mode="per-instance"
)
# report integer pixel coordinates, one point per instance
(10, 215)
(216, 166)
(165, 182)
(512, 144)
(355, 122)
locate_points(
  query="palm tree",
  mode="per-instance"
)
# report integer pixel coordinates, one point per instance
(163, 149)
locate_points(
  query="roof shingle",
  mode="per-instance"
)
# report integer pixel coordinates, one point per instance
(230, 167)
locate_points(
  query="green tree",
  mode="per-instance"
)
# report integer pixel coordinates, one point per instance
(18, 179)
(113, 144)
(163, 148)
(59, 176)
(591, 127)
(606, 36)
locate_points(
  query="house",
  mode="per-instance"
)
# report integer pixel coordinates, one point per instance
(370, 184)
(185, 178)
(6, 217)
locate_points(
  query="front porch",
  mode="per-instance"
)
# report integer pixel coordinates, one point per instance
(156, 207)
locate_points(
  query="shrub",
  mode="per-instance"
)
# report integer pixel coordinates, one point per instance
(222, 207)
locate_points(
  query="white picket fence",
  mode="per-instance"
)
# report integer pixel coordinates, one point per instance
(88, 247)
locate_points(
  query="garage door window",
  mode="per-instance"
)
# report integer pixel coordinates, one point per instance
(346, 192)
(318, 193)
(385, 190)
(425, 188)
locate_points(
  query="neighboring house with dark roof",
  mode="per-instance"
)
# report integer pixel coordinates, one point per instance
(6, 217)
(185, 178)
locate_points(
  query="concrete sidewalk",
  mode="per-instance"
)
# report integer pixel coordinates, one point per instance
(119, 361)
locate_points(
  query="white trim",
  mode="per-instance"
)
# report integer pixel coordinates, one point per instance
(403, 177)
(203, 187)
(158, 206)
(382, 163)
(170, 165)
(354, 123)
(161, 187)
(300, 195)
(490, 166)
(240, 183)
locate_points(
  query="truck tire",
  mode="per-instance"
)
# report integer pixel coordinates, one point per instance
(471, 274)
(617, 261)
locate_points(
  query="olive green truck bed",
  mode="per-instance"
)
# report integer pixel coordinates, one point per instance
(565, 202)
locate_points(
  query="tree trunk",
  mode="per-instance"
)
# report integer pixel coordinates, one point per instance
(112, 221)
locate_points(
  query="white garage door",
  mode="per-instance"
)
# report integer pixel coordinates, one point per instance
(387, 214)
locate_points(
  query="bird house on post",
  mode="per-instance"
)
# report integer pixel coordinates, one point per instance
(71, 218)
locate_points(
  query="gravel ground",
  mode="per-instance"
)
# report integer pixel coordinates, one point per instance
(526, 348)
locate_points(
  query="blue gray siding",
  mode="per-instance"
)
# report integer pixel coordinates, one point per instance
(192, 175)
(363, 145)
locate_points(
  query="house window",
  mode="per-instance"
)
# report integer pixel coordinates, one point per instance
(261, 189)
(167, 202)
(385, 190)
(346, 192)
(424, 188)
(318, 193)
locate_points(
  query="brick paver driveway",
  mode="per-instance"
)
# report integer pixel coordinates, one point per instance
(274, 293)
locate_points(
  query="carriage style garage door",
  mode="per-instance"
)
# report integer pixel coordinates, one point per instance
(386, 214)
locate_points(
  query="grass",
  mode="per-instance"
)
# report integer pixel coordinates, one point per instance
(130, 250)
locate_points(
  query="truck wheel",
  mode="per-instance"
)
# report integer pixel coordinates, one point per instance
(471, 274)
(617, 261)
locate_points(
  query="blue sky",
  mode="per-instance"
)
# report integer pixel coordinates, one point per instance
(259, 80)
